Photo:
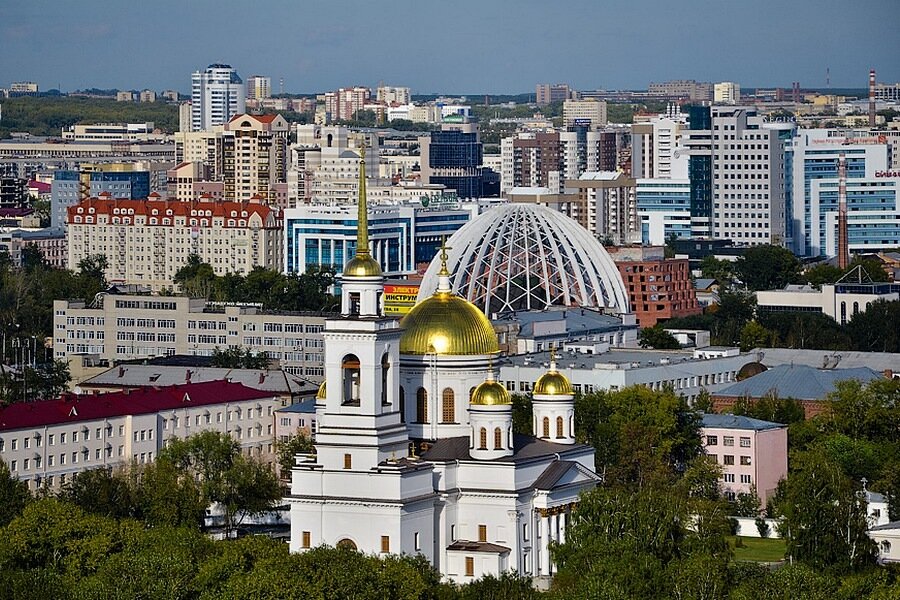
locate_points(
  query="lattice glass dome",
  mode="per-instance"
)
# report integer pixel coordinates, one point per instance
(528, 257)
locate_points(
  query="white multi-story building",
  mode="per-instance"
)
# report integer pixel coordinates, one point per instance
(46, 443)
(146, 241)
(588, 111)
(217, 94)
(255, 153)
(610, 205)
(324, 164)
(654, 149)
(121, 327)
(259, 87)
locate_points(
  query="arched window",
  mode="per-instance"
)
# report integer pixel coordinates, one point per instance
(346, 544)
(843, 313)
(482, 439)
(385, 371)
(885, 547)
(448, 406)
(350, 380)
(559, 427)
(421, 406)
(402, 405)
(546, 427)
(855, 307)
(498, 439)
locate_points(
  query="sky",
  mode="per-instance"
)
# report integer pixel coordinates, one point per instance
(460, 46)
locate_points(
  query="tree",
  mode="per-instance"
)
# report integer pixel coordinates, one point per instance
(770, 408)
(239, 358)
(101, 492)
(14, 495)
(714, 268)
(875, 329)
(239, 484)
(754, 335)
(523, 414)
(819, 274)
(824, 521)
(767, 267)
(299, 443)
(657, 337)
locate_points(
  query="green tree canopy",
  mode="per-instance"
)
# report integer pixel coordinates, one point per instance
(657, 337)
(767, 267)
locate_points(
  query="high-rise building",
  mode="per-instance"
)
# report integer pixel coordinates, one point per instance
(113, 180)
(546, 93)
(736, 169)
(452, 157)
(324, 164)
(591, 113)
(255, 154)
(607, 201)
(664, 209)
(654, 146)
(259, 87)
(217, 94)
(727, 92)
(343, 104)
(392, 96)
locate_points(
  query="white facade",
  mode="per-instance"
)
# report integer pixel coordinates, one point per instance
(839, 301)
(259, 87)
(593, 111)
(727, 92)
(391, 95)
(217, 94)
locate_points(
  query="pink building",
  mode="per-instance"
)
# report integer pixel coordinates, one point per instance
(751, 453)
(295, 418)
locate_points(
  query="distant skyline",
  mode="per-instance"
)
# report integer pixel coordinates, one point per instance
(464, 47)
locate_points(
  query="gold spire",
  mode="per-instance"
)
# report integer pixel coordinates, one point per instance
(444, 274)
(362, 265)
(362, 217)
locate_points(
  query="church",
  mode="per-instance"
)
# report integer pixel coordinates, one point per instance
(415, 450)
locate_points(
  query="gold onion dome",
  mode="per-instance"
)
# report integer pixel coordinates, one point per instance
(552, 383)
(362, 266)
(447, 324)
(320, 395)
(490, 393)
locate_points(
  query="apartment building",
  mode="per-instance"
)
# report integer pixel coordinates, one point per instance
(696, 91)
(123, 327)
(147, 241)
(255, 156)
(259, 87)
(324, 164)
(608, 204)
(392, 96)
(217, 94)
(727, 92)
(548, 93)
(343, 104)
(751, 452)
(46, 443)
(590, 111)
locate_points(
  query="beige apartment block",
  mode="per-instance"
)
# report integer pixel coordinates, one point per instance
(146, 241)
(126, 327)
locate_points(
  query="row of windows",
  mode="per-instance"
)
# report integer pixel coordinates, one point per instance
(727, 440)
(729, 478)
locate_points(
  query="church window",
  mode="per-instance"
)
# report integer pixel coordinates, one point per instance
(546, 427)
(482, 533)
(402, 405)
(354, 303)
(559, 427)
(452, 533)
(421, 406)
(470, 566)
(385, 370)
(348, 461)
(385, 544)
(416, 542)
(350, 383)
(471, 391)
(448, 407)
(306, 540)
(498, 439)
(482, 442)
(346, 544)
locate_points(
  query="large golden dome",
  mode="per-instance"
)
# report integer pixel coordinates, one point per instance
(490, 393)
(552, 383)
(447, 324)
(320, 395)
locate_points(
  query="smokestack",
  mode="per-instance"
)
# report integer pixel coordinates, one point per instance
(843, 245)
(872, 98)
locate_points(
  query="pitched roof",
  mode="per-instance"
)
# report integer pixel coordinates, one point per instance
(525, 447)
(131, 375)
(465, 546)
(727, 421)
(800, 382)
(73, 408)
(304, 407)
(107, 205)
(886, 526)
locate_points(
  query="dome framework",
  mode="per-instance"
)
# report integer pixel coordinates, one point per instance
(529, 257)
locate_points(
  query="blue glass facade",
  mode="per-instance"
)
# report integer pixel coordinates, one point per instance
(671, 201)
(455, 158)
(822, 164)
(700, 167)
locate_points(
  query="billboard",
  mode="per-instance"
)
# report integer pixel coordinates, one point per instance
(399, 298)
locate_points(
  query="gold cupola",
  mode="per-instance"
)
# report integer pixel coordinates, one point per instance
(552, 383)
(320, 395)
(490, 392)
(362, 265)
(446, 323)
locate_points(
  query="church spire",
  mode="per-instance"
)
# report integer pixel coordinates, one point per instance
(362, 217)
(444, 274)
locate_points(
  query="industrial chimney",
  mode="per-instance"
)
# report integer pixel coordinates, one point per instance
(872, 98)
(843, 254)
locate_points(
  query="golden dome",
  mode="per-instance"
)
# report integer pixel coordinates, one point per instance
(320, 395)
(447, 324)
(552, 383)
(362, 265)
(490, 393)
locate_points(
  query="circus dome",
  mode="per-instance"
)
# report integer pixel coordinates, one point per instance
(528, 257)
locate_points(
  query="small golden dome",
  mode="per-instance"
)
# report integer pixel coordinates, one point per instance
(447, 324)
(552, 383)
(490, 393)
(320, 395)
(362, 266)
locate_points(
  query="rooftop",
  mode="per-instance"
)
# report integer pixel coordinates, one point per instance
(525, 447)
(727, 421)
(131, 375)
(304, 407)
(615, 358)
(73, 408)
(879, 361)
(800, 382)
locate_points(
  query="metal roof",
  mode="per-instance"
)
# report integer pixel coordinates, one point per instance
(880, 361)
(800, 382)
(727, 421)
(273, 381)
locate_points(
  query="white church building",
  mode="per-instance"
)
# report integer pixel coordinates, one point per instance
(415, 450)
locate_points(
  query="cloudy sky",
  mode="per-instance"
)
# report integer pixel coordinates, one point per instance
(459, 46)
